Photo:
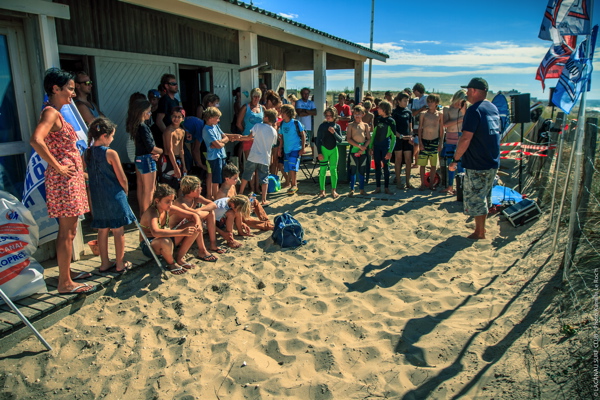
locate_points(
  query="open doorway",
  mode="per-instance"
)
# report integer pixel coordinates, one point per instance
(194, 83)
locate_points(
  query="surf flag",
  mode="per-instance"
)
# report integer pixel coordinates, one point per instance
(34, 192)
(565, 17)
(502, 105)
(555, 59)
(576, 76)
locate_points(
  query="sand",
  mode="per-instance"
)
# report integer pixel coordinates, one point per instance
(388, 299)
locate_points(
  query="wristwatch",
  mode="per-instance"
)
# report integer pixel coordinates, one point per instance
(454, 160)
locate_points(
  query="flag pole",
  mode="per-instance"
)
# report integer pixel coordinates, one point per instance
(568, 259)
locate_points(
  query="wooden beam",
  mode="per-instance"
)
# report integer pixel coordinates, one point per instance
(39, 7)
(232, 16)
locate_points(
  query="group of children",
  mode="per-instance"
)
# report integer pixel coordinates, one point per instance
(175, 224)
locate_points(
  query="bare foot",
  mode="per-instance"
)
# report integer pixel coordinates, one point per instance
(234, 244)
(265, 203)
(387, 191)
(378, 190)
(334, 194)
(75, 288)
(351, 193)
(409, 187)
(322, 193)
(476, 236)
(422, 187)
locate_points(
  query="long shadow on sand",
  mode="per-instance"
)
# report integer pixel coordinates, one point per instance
(411, 267)
(493, 353)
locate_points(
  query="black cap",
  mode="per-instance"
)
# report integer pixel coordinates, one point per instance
(477, 83)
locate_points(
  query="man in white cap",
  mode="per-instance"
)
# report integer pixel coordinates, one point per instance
(479, 151)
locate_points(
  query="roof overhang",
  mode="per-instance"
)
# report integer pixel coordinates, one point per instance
(246, 18)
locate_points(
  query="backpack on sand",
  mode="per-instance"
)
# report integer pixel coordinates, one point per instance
(288, 232)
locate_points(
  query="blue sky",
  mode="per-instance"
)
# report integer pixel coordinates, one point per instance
(442, 44)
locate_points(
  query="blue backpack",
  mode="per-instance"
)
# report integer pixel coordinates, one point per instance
(288, 232)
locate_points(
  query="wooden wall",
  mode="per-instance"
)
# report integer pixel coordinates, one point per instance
(114, 25)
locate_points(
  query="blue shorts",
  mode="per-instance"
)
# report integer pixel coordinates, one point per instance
(145, 164)
(217, 169)
(291, 161)
(145, 250)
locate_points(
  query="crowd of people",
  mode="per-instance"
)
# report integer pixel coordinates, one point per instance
(270, 133)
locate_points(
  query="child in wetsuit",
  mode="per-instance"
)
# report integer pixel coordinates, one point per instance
(382, 145)
(329, 135)
(431, 136)
(358, 136)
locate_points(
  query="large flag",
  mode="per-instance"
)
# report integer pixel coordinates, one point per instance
(555, 59)
(576, 76)
(565, 17)
(34, 192)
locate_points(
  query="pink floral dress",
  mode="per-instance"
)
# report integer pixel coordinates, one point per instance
(65, 197)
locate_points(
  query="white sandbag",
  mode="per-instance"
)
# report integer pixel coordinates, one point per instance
(20, 274)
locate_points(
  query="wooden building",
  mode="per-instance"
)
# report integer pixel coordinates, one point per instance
(126, 46)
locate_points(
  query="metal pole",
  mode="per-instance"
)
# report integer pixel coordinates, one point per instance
(371, 41)
(25, 320)
(562, 200)
(580, 133)
(521, 159)
(557, 169)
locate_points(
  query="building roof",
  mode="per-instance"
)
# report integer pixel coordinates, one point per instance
(299, 25)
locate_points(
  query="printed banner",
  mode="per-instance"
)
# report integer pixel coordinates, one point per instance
(576, 76)
(565, 17)
(555, 59)
(34, 192)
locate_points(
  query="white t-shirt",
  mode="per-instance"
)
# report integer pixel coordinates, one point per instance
(265, 136)
(306, 105)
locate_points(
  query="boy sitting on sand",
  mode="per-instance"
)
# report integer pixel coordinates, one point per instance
(431, 137)
(359, 137)
(192, 200)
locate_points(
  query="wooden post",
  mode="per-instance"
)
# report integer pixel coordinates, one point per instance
(320, 90)
(248, 57)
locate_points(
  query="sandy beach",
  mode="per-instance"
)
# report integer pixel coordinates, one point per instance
(388, 299)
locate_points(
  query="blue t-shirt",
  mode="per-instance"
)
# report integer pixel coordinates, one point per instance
(194, 126)
(483, 119)
(210, 134)
(291, 138)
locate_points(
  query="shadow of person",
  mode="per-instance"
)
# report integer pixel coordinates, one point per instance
(390, 272)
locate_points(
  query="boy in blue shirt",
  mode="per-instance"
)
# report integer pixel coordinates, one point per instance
(215, 141)
(293, 137)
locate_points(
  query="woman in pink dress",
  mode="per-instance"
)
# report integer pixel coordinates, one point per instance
(54, 140)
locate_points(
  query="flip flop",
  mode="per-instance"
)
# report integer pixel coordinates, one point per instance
(128, 267)
(176, 269)
(292, 190)
(219, 250)
(188, 265)
(78, 289)
(208, 258)
(82, 275)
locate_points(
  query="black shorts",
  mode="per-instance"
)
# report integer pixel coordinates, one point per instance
(403, 145)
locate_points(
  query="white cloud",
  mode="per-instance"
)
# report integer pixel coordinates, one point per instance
(469, 55)
(421, 41)
(288, 16)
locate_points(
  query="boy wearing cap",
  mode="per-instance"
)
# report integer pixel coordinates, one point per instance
(479, 150)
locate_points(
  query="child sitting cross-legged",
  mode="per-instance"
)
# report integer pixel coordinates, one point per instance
(156, 226)
(230, 212)
(192, 200)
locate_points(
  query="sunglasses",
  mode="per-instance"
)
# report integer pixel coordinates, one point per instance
(172, 83)
(85, 83)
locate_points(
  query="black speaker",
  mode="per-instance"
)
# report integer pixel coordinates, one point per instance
(519, 108)
(552, 89)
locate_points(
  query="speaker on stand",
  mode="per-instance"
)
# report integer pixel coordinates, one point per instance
(520, 114)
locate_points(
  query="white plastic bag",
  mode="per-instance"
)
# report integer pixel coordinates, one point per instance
(20, 274)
